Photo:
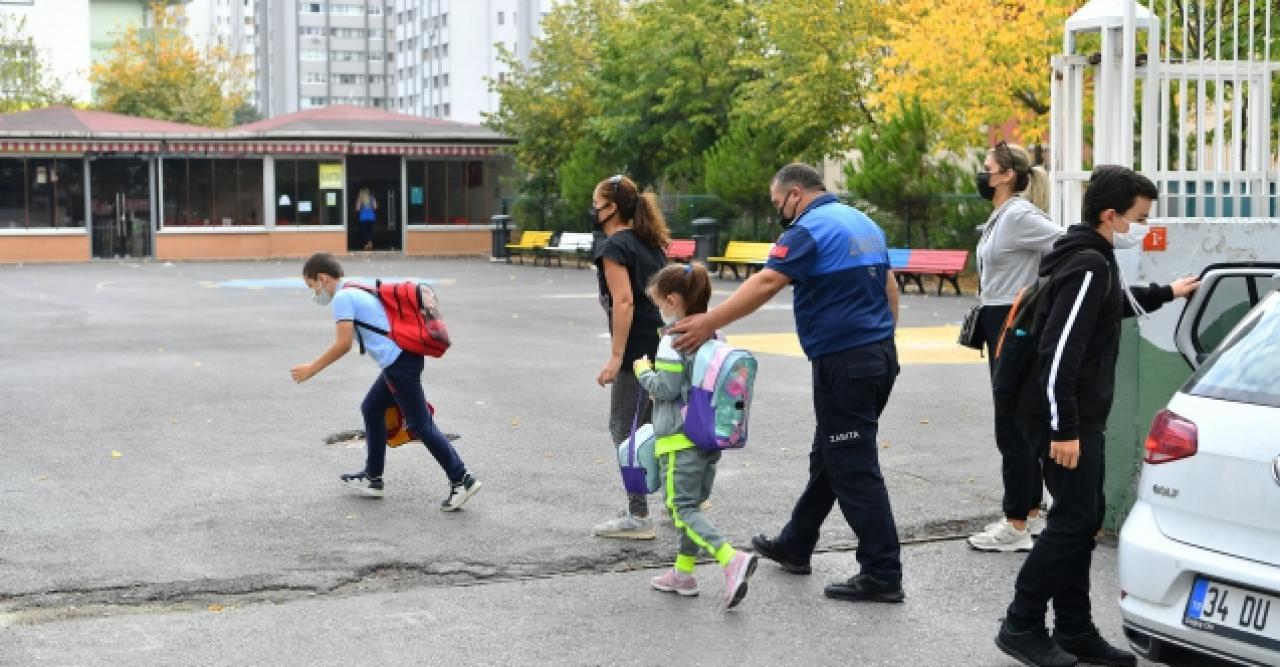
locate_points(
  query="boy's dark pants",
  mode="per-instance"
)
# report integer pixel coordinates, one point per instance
(850, 389)
(1058, 566)
(401, 384)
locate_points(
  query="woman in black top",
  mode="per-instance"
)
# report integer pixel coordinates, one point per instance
(634, 250)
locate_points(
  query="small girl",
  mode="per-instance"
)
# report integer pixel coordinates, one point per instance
(687, 472)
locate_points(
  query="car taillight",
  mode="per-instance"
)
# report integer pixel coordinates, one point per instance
(1172, 437)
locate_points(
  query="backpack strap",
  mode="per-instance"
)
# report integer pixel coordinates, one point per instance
(364, 325)
(635, 425)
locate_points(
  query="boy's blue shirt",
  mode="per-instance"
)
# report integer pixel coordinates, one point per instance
(350, 305)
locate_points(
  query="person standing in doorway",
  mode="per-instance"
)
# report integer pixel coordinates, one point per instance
(367, 210)
(636, 238)
(845, 306)
(1016, 235)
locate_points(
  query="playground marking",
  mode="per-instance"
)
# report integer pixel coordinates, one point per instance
(916, 345)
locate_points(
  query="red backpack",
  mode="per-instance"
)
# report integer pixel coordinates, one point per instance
(414, 314)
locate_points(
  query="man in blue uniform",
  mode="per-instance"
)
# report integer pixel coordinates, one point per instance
(845, 305)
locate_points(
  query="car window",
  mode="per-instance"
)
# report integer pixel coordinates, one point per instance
(1226, 305)
(1246, 368)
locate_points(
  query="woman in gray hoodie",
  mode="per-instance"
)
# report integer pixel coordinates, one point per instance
(1016, 235)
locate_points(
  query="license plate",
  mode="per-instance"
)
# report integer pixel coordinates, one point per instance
(1239, 613)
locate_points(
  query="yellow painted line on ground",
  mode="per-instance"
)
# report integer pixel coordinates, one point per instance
(916, 345)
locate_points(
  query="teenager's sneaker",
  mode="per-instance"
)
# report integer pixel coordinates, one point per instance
(1033, 647)
(459, 493)
(865, 588)
(362, 483)
(773, 551)
(1090, 648)
(736, 574)
(1001, 536)
(675, 581)
(626, 527)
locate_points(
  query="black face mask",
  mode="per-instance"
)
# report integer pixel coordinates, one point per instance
(783, 220)
(984, 186)
(597, 225)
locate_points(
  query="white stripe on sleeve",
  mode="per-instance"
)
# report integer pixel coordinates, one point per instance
(1062, 343)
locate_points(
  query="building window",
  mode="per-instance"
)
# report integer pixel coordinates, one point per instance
(313, 77)
(446, 83)
(446, 109)
(500, 19)
(313, 54)
(299, 199)
(447, 192)
(212, 192)
(375, 10)
(41, 192)
(311, 7)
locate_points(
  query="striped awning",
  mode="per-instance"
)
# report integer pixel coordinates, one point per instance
(263, 147)
(405, 149)
(80, 146)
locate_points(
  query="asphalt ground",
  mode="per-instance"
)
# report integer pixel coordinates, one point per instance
(169, 494)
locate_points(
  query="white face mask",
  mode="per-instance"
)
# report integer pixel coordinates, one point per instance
(1132, 238)
(668, 319)
(321, 297)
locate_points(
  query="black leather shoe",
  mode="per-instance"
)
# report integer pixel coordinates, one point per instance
(1033, 648)
(865, 588)
(1091, 648)
(773, 551)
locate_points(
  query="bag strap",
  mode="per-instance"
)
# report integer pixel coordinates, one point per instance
(635, 424)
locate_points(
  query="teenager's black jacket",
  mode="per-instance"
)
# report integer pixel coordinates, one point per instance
(1080, 334)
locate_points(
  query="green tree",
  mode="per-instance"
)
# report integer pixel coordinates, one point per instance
(738, 169)
(159, 73)
(670, 72)
(25, 80)
(547, 105)
(813, 72)
(903, 176)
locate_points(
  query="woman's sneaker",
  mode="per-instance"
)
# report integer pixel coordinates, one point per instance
(1001, 536)
(362, 483)
(675, 581)
(459, 493)
(626, 527)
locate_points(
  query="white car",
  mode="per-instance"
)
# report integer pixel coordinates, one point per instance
(1200, 551)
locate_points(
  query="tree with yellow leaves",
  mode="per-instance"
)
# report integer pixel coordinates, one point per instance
(159, 73)
(977, 64)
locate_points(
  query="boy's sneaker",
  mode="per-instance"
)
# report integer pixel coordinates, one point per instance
(1033, 647)
(1001, 536)
(736, 574)
(1090, 648)
(459, 493)
(362, 483)
(675, 581)
(626, 527)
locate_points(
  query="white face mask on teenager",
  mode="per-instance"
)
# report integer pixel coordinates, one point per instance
(1131, 238)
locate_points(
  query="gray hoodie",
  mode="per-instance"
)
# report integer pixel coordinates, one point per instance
(1014, 239)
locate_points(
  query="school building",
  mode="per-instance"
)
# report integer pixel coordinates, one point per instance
(77, 185)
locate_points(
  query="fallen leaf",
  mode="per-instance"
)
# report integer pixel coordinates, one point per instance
(215, 607)
(115, 454)
(782, 449)
(42, 478)
(197, 364)
(924, 421)
(173, 420)
(515, 423)
(599, 461)
(479, 402)
(160, 350)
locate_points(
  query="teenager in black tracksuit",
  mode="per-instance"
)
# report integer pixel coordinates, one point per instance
(1070, 402)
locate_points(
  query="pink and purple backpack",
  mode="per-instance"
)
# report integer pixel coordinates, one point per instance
(719, 401)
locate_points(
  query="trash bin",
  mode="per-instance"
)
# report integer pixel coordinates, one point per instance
(500, 231)
(706, 238)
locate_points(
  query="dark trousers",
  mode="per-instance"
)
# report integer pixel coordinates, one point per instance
(401, 384)
(850, 390)
(1020, 458)
(1058, 566)
(366, 232)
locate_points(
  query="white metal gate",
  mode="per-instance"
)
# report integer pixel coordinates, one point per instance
(1184, 95)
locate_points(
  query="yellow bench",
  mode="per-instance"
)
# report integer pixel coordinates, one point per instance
(751, 256)
(529, 241)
